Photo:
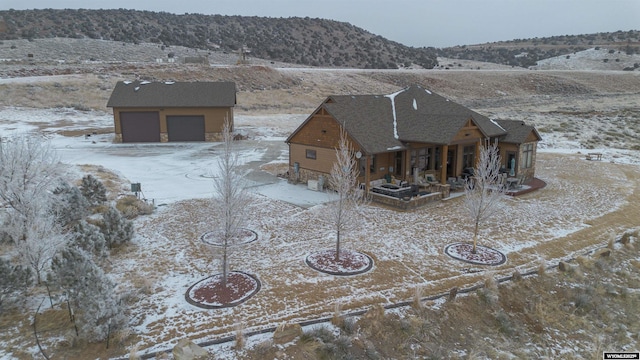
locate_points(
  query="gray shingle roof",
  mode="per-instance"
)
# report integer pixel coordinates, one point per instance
(517, 131)
(420, 116)
(424, 116)
(372, 129)
(173, 94)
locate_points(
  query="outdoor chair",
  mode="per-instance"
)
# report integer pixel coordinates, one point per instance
(430, 178)
(456, 184)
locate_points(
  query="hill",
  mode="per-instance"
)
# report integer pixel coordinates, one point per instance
(295, 40)
(315, 42)
(527, 52)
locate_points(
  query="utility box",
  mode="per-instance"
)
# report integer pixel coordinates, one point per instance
(136, 188)
(313, 185)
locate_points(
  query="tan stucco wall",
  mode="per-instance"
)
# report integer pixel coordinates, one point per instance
(213, 117)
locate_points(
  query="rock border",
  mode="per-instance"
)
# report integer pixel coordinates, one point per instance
(503, 257)
(254, 237)
(228, 305)
(340, 273)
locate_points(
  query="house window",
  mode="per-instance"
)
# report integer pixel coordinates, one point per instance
(468, 156)
(311, 154)
(527, 156)
(363, 165)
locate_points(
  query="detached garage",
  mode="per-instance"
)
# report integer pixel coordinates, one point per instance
(171, 111)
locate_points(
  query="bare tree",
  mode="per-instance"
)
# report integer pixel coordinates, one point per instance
(343, 213)
(43, 238)
(484, 192)
(231, 198)
(29, 170)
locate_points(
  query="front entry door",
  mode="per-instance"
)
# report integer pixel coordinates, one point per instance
(451, 163)
(397, 169)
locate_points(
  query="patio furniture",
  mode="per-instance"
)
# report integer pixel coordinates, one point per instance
(455, 183)
(393, 190)
(512, 183)
(427, 182)
(467, 173)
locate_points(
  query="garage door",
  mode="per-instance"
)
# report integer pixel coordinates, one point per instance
(140, 126)
(185, 128)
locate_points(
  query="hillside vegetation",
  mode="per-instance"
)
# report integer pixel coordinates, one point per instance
(527, 52)
(308, 41)
(295, 40)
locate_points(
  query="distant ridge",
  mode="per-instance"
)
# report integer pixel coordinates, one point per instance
(305, 41)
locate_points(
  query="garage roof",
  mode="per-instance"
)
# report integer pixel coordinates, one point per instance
(132, 94)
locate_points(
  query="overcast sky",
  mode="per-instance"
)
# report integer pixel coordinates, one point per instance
(438, 23)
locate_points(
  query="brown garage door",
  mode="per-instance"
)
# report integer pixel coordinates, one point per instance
(185, 128)
(140, 126)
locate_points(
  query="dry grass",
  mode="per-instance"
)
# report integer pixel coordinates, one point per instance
(267, 91)
(83, 93)
(132, 207)
(537, 316)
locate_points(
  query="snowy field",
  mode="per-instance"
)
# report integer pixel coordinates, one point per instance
(577, 211)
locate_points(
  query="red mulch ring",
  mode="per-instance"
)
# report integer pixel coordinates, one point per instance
(533, 185)
(245, 236)
(349, 263)
(483, 255)
(210, 293)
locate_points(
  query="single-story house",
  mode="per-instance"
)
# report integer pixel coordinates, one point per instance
(171, 111)
(405, 134)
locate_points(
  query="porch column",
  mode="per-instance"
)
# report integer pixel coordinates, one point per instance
(443, 164)
(407, 165)
(367, 174)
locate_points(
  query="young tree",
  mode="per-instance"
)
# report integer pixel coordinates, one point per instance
(484, 192)
(42, 241)
(230, 197)
(91, 296)
(13, 278)
(343, 213)
(93, 190)
(89, 238)
(70, 205)
(116, 229)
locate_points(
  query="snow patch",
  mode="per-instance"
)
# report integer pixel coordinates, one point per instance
(392, 97)
(498, 125)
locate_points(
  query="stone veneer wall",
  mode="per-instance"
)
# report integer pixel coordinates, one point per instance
(413, 203)
(305, 175)
(213, 137)
(164, 137)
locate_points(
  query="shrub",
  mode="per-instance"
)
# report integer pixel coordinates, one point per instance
(93, 190)
(70, 206)
(116, 229)
(132, 207)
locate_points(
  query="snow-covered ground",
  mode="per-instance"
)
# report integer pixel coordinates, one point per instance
(407, 247)
(590, 59)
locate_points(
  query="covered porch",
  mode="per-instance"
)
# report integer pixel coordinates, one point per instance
(427, 166)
